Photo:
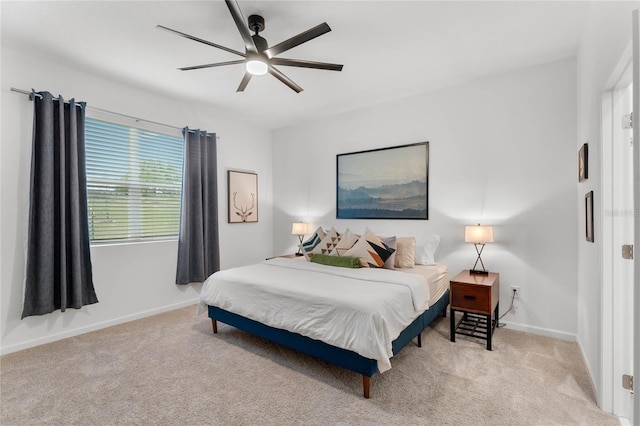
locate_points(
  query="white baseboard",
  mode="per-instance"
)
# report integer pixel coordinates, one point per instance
(93, 327)
(591, 376)
(562, 335)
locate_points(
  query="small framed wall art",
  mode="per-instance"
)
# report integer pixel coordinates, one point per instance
(583, 163)
(242, 193)
(588, 215)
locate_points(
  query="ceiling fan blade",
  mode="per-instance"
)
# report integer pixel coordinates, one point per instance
(241, 24)
(294, 41)
(283, 78)
(217, 64)
(306, 64)
(190, 37)
(244, 82)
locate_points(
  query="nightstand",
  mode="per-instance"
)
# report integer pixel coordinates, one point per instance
(477, 297)
(287, 256)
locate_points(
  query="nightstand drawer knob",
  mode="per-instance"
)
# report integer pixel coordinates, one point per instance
(468, 297)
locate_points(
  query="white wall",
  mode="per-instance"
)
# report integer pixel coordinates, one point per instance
(502, 152)
(131, 280)
(606, 35)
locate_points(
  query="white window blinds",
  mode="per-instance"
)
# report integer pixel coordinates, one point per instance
(134, 180)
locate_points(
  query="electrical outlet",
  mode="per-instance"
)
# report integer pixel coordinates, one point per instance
(517, 290)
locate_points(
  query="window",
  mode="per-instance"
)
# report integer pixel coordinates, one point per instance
(134, 182)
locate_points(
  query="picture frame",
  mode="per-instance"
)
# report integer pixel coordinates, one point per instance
(588, 208)
(384, 183)
(242, 196)
(583, 163)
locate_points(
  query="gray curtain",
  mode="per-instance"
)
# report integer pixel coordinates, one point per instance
(58, 274)
(198, 249)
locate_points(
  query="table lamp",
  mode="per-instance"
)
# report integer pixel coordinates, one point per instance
(479, 236)
(300, 229)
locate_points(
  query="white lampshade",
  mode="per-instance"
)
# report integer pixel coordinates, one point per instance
(300, 228)
(478, 234)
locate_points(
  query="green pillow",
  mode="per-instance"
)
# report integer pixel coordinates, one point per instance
(344, 262)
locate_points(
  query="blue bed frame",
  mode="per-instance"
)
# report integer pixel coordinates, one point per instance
(338, 356)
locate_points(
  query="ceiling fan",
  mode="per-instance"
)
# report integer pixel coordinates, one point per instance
(259, 58)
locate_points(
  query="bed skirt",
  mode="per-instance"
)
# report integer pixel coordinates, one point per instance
(337, 356)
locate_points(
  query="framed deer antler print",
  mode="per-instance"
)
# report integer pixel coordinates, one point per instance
(242, 193)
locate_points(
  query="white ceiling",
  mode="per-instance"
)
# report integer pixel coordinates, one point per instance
(390, 49)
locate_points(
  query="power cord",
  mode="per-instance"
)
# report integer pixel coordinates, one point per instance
(513, 297)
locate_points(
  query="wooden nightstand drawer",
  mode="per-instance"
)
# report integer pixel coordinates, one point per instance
(471, 297)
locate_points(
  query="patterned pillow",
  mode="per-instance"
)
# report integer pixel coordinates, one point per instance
(405, 254)
(327, 244)
(347, 240)
(311, 243)
(371, 251)
(391, 244)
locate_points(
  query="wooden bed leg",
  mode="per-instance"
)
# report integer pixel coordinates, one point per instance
(420, 340)
(366, 385)
(214, 325)
(444, 312)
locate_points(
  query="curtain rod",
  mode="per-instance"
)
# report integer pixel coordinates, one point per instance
(26, 92)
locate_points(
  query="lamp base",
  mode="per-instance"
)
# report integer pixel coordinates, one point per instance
(479, 259)
(299, 253)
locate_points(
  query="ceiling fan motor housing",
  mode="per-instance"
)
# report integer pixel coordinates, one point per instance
(256, 23)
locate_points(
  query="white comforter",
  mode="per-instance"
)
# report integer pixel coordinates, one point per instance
(361, 310)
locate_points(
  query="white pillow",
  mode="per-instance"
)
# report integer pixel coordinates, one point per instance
(425, 250)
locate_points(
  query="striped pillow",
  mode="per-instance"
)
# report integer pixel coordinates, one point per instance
(311, 243)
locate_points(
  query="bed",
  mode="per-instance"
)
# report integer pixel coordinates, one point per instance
(305, 306)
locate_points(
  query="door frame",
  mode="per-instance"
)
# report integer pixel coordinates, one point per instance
(609, 382)
(636, 166)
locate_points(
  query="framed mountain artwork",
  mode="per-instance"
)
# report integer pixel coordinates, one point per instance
(385, 183)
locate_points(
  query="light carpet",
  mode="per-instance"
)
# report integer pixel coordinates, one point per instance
(170, 369)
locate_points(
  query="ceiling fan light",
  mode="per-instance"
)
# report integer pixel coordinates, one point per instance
(257, 67)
